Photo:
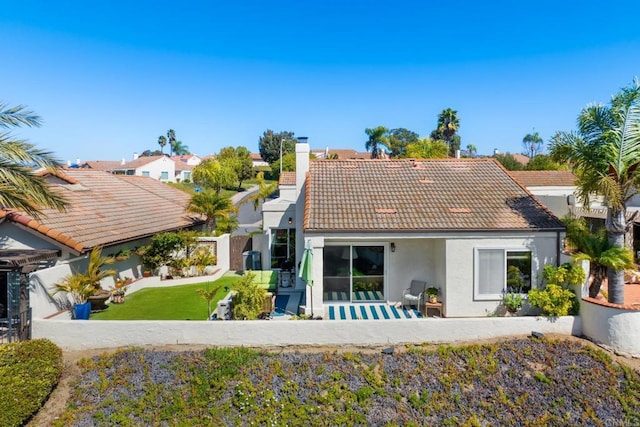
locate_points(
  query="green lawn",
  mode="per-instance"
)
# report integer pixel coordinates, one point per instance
(169, 303)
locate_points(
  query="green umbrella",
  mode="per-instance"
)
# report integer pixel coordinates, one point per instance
(305, 271)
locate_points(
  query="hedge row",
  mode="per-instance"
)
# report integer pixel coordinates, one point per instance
(29, 371)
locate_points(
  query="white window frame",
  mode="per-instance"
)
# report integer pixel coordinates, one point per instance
(164, 175)
(146, 173)
(476, 270)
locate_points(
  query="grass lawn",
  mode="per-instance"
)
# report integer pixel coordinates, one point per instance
(180, 302)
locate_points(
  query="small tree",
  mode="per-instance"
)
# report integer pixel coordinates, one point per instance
(249, 299)
(209, 295)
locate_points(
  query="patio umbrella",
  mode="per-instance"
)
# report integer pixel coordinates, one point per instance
(305, 271)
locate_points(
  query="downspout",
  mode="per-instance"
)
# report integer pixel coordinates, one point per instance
(558, 248)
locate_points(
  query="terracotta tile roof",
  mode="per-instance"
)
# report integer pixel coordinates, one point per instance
(180, 166)
(108, 209)
(287, 178)
(419, 196)
(544, 178)
(102, 165)
(256, 157)
(521, 158)
(139, 162)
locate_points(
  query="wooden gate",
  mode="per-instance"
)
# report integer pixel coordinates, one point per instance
(238, 244)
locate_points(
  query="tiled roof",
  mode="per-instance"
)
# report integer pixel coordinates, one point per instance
(180, 166)
(140, 161)
(287, 178)
(544, 178)
(108, 209)
(419, 196)
(521, 158)
(102, 165)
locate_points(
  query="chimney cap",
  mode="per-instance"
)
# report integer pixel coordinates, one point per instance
(302, 139)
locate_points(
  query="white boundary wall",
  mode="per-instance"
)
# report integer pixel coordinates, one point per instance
(615, 329)
(97, 334)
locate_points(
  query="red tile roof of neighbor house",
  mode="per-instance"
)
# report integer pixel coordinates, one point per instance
(108, 209)
(544, 178)
(102, 165)
(287, 178)
(140, 161)
(419, 196)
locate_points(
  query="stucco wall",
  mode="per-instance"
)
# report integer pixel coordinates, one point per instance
(460, 300)
(613, 328)
(156, 167)
(88, 334)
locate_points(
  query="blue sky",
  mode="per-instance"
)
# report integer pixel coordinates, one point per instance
(108, 78)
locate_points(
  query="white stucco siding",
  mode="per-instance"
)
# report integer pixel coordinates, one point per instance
(413, 259)
(156, 167)
(15, 237)
(459, 267)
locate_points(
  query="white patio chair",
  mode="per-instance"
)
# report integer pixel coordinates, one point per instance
(414, 294)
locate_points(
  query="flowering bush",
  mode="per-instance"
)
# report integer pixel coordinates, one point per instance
(554, 300)
(512, 300)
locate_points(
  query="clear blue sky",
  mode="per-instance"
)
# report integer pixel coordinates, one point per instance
(108, 78)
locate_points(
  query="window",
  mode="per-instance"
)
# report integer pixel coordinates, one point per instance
(187, 175)
(283, 248)
(164, 175)
(499, 270)
(145, 173)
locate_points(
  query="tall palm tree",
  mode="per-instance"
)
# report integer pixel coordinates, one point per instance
(377, 137)
(448, 125)
(604, 154)
(171, 137)
(532, 143)
(20, 187)
(212, 205)
(162, 141)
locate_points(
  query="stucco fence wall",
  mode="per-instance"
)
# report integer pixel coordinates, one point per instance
(96, 334)
(613, 328)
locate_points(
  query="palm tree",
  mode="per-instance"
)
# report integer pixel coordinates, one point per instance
(20, 187)
(604, 154)
(212, 205)
(264, 191)
(377, 136)
(532, 143)
(162, 141)
(171, 137)
(472, 150)
(179, 148)
(448, 125)
(595, 248)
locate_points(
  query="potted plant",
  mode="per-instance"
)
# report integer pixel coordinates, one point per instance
(80, 290)
(118, 291)
(95, 274)
(512, 301)
(432, 294)
(123, 255)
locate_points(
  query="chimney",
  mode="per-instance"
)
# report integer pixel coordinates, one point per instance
(495, 152)
(457, 154)
(78, 161)
(135, 156)
(123, 161)
(69, 163)
(302, 167)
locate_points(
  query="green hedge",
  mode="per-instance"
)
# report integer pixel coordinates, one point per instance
(29, 371)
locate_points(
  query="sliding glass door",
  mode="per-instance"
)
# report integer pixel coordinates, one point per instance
(353, 273)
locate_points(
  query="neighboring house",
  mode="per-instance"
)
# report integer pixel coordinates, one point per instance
(183, 171)
(341, 154)
(557, 190)
(257, 161)
(375, 225)
(161, 168)
(109, 211)
(101, 165)
(190, 159)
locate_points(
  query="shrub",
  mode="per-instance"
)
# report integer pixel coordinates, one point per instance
(29, 371)
(160, 251)
(554, 300)
(249, 299)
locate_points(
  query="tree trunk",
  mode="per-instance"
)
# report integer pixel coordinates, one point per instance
(616, 228)
(599, 273)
